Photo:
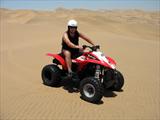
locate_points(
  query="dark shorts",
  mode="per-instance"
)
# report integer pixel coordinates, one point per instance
(74, 52)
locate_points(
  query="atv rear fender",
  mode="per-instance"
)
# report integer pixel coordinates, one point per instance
(59, 58)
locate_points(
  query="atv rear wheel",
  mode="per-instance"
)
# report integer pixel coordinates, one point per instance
(51, 75)
(91, 89)
(119, 81)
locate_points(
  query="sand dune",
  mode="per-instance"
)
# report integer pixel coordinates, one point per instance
(131, 37)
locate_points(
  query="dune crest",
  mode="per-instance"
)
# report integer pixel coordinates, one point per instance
(125, 22)
(129, 16)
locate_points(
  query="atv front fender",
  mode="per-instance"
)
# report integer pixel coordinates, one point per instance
(111, 60)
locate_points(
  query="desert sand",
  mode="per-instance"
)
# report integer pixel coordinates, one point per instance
(130, 37)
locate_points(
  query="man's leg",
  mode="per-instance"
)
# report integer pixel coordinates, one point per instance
(67, 55)
(68, 60)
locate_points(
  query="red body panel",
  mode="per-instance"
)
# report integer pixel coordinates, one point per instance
(82, 63)
(96, 61)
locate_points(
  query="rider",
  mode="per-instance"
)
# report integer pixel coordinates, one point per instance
(70, 44)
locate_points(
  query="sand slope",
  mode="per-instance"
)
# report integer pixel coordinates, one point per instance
(130, 37)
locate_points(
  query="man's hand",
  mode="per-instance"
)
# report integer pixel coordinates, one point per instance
(79, 47)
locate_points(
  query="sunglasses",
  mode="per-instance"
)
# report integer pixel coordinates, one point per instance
(72, 27)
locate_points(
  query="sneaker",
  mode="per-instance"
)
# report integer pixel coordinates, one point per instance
(68, 76)
(75, 77)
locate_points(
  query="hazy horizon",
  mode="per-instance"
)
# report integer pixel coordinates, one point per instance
(146, 5)
(58, 8)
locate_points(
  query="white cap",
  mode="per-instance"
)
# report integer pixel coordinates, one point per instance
(72, 23)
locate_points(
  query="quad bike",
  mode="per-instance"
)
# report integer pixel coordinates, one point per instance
(95, 72)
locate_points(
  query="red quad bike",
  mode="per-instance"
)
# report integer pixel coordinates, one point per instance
(95, 72)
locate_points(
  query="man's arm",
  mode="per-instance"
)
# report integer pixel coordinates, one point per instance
(86, 38)
(68, 42)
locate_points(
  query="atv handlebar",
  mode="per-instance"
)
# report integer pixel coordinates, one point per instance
(93, 48)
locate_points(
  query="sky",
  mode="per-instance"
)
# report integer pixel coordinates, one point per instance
(149, 5)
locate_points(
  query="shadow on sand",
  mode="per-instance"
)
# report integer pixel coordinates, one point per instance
(68, 86)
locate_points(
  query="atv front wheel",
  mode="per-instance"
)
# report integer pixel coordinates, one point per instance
(51, 75)
(91, 89)
(119, 81)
